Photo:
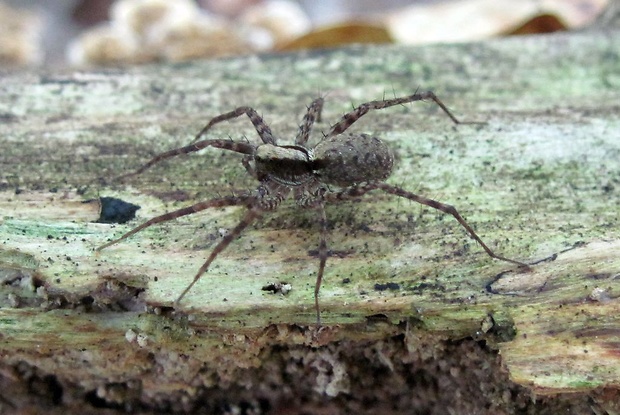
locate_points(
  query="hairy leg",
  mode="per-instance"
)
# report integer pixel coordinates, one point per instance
(220, 202)
(322, 258)
(262, 129)
(351, 117)
(268, 197)
(238, 147)
(246, 161)
(360, 190)
(252, 213)
(449, 210)
(313, 114)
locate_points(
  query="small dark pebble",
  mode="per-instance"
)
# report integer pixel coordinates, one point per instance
(115, 210)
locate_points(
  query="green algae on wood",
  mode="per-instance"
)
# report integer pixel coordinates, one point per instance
(540, 178)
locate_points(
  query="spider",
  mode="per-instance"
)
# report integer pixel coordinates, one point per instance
(353, 164)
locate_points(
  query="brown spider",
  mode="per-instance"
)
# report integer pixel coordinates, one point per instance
(356, 164)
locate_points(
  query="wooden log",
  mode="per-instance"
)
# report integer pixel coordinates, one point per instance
(407, 298)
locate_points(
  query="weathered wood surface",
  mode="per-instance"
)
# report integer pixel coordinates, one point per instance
(540, 178)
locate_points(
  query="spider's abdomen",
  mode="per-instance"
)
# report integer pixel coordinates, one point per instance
(345, 160)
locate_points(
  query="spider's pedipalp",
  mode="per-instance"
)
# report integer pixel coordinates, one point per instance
(271, 194)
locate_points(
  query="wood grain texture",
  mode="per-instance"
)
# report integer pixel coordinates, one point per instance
(541, 178)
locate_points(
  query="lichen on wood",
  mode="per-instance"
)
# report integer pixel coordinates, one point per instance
(538, 180)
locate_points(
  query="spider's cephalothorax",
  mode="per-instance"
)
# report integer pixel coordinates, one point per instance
(343, 160)
(287, 165)
(352, 163)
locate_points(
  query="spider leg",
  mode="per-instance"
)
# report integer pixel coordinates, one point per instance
(449, 210)
(238, 147)
(349, 118)
(248, 167)
(350, 192)
(322, 258)
(252, 213)
(221, 202)
(262, 129)
(314, 196)
(313, 114)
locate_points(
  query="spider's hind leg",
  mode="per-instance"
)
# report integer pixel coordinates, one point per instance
(451, 210)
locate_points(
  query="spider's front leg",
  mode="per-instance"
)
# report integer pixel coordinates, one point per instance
(253, 212)
(351, 117)
(261, 127)
(220, 202)
(313, 114)
(323, 253)
(316, 199)
(268, 197)
(251, 215)
(237, 147)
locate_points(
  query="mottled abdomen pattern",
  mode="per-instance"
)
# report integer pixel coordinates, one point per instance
(345, 160)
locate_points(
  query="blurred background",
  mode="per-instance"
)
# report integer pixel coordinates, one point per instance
(111, 32)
